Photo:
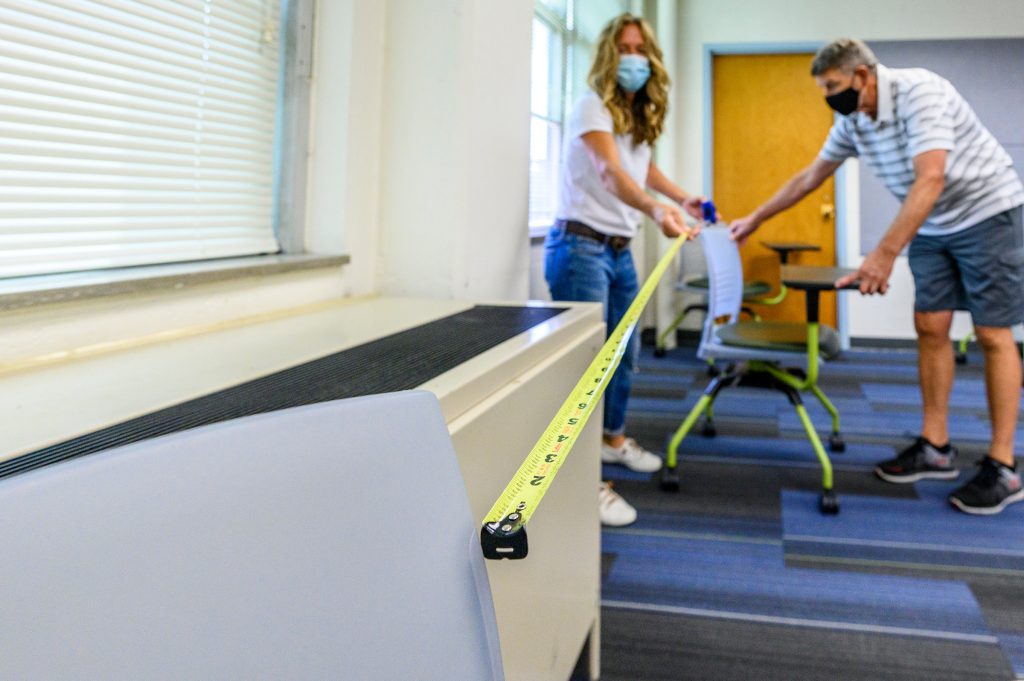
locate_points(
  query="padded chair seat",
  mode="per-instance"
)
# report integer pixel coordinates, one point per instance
(779, 336)
(753, 289)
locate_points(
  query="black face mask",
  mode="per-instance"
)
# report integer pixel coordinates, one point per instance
(845, 102)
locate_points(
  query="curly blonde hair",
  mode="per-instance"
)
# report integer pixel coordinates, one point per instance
(645, 118)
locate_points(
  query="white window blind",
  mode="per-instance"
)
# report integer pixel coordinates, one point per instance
(135, 131)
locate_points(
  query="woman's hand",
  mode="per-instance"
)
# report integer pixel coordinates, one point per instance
(692, 205)
(671, 221)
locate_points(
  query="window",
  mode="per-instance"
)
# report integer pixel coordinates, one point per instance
(564, 32)
(136, 132)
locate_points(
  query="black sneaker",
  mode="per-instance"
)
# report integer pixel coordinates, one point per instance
(994, 488)
(921, 460)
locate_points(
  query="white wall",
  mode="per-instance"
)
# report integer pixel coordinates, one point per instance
(420, 145)
(703, 22)
(455, 152)
(343, 198)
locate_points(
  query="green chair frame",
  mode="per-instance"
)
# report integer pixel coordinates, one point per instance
(758, 352)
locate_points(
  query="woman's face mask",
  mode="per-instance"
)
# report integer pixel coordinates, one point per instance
(634, 71)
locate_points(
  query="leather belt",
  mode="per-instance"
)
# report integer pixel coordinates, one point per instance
(574, 227)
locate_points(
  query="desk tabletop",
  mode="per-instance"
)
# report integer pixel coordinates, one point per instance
(790, 246)
(814, 278)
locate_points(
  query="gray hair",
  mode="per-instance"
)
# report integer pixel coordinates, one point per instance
(844, 54)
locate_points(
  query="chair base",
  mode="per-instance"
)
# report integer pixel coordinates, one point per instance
(827, 503)
(669, 479)
(761, 377)
(836, 443)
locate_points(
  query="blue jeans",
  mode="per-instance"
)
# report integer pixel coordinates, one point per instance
(578, 268)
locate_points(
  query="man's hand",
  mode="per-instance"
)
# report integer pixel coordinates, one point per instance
(873, 273)
(742, 228)
(671, 221)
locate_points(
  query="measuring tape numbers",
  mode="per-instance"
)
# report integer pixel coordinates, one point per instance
(503, 534)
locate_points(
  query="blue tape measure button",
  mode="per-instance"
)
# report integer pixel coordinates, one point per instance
(709, 212)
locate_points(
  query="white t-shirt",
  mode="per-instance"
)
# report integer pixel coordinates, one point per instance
(582, 196)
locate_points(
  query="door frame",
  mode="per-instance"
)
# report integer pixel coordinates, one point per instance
(846, 178)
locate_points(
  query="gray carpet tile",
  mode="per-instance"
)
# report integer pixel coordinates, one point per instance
(663, 647)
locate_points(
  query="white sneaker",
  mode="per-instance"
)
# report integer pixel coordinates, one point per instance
(632, 456)
(613, 509)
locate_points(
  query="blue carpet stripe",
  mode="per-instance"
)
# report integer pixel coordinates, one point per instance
(743, 402)
(743, 529)
(616, 472)
(966, 394)
(751, 579)
(924, 531)
(962, 427)
(663, 380)
(794, 449)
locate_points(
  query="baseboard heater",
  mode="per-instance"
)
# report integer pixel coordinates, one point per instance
(400, 361)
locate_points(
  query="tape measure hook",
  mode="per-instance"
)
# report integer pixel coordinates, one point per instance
(498, 542)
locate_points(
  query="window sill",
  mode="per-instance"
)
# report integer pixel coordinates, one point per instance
(25, 292)
(538, 232)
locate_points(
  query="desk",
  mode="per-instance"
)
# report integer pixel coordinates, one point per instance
(784, 248)
(813, 280)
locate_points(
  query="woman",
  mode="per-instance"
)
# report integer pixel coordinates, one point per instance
(602, 199)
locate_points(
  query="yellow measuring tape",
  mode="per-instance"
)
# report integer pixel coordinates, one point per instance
(503, 534)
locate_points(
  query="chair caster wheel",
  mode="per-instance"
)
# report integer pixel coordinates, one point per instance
(669, 480)
(960, 358)
(708, 430)
(836, 443)
(659, 351)
(827, 503)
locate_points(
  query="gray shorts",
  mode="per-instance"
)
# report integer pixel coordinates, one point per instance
(979, 269)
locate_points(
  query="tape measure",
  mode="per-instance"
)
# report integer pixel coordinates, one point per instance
(503, 534)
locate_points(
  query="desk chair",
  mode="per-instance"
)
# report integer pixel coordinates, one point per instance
(757, 352)
(960, 355)
(330, 541)
(753, 292)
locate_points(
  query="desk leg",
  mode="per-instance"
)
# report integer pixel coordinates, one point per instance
(594, 644)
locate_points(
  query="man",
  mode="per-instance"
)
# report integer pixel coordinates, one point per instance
(961, 214)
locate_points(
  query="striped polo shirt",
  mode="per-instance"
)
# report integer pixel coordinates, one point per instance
(920, 111)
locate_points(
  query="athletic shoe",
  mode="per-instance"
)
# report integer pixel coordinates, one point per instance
(995, 487)
(613, 509)
(632, 456)
(921, 460)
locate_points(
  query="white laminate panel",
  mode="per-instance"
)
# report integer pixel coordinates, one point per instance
(548, 603)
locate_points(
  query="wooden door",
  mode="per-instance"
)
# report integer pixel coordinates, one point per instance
(769, 121)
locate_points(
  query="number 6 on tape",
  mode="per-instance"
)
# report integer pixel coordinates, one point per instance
(503, 534)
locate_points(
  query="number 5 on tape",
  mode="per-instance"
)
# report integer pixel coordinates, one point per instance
(503, 534)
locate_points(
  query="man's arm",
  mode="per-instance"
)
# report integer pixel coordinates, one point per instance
(616, 180)
(796, 188)
(929, 180)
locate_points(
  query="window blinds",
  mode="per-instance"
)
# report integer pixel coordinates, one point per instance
(135, 131)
